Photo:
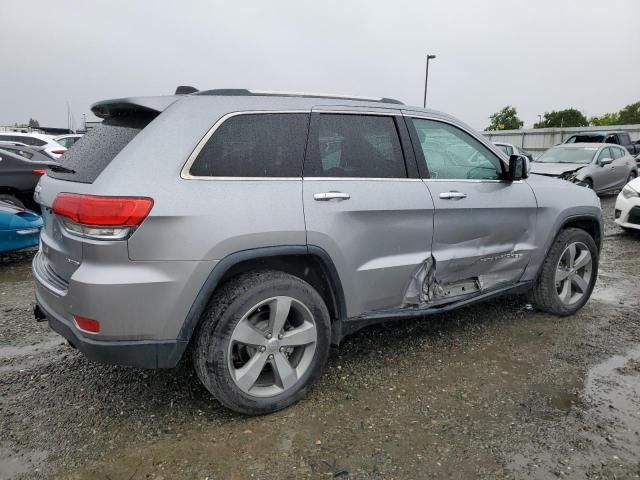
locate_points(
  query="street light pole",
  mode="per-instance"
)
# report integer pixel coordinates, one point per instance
(426, 79)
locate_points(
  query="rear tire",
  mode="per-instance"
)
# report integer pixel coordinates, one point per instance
(568, 274)
(262, 342)
(5, 197)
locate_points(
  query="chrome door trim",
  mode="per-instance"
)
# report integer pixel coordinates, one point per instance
(469, 180)
(361, 179)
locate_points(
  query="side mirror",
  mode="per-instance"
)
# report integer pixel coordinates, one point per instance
(605, 161)
(518, 167)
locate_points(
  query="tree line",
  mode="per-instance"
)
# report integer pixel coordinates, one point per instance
(507, 118)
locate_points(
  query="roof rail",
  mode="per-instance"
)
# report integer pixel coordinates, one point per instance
(242, 92)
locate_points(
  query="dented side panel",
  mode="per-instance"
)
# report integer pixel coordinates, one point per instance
(480, 242)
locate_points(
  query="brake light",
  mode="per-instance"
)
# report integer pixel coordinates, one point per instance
(39, 171)
(103, 211)
(58, 152)
(102, 218)
(87, 324)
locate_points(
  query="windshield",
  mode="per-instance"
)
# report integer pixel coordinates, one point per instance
(568, 155)
(586, 138)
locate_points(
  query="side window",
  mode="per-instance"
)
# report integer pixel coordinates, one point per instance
(611, 139)
(451, 153)
(605, 153)
(617, 152)
(255, 145)
(624, 139)
(349, 145)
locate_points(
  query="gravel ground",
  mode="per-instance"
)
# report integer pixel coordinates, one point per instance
(497, 390)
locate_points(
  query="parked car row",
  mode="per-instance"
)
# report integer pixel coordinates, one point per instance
(612, 137)
(598, 166)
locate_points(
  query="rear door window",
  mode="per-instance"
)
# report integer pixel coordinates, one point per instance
(624, 139)
(350, 145)
(617, 152)
(255, 145)
(95, 150)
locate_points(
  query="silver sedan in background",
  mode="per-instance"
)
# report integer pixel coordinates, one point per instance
(602, 167)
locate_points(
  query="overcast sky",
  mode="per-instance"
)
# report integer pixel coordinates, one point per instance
(536, 55)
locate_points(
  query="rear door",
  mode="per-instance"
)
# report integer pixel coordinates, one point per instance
(365, 205)
(620, 166)
(484, 226)
(605, 176)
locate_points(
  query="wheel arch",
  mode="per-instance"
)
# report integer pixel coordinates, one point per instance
(588, 223)
(311, 264)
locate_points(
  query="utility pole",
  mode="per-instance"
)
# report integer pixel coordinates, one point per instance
(426, 79)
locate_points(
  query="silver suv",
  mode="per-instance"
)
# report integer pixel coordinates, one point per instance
(252, 230)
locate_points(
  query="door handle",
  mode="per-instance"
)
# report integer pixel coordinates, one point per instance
(452, 195)
(326, 196)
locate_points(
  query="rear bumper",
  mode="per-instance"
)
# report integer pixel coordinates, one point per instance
(143, 354)
(141, 307)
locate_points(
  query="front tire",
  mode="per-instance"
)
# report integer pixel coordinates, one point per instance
(263, 342)
(568, 274)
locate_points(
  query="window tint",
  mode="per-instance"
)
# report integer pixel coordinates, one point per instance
(624, 138)
(347, 145)
(451, 153)
(91, 155)
(255, 145)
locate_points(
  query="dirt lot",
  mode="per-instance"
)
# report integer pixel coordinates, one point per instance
(496, 390)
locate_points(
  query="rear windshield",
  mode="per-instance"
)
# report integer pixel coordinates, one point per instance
(586, 138)
(94, 151)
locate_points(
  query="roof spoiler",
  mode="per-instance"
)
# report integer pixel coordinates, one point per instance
(112, 108)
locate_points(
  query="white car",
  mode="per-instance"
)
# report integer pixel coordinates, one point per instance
(68, 140)
(47, 143)
(627, 210)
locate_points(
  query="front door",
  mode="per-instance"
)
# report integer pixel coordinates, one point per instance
(365, 205)
(484, 226)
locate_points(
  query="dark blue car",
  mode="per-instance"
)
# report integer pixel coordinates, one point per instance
(19, 228)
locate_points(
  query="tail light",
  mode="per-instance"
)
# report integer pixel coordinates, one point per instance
(58, 152)
(39, 171)
(101, 218)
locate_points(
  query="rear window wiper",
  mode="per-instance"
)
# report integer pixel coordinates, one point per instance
(60, 168)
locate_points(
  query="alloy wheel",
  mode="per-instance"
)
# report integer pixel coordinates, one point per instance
(573, 273)
(272, 346)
